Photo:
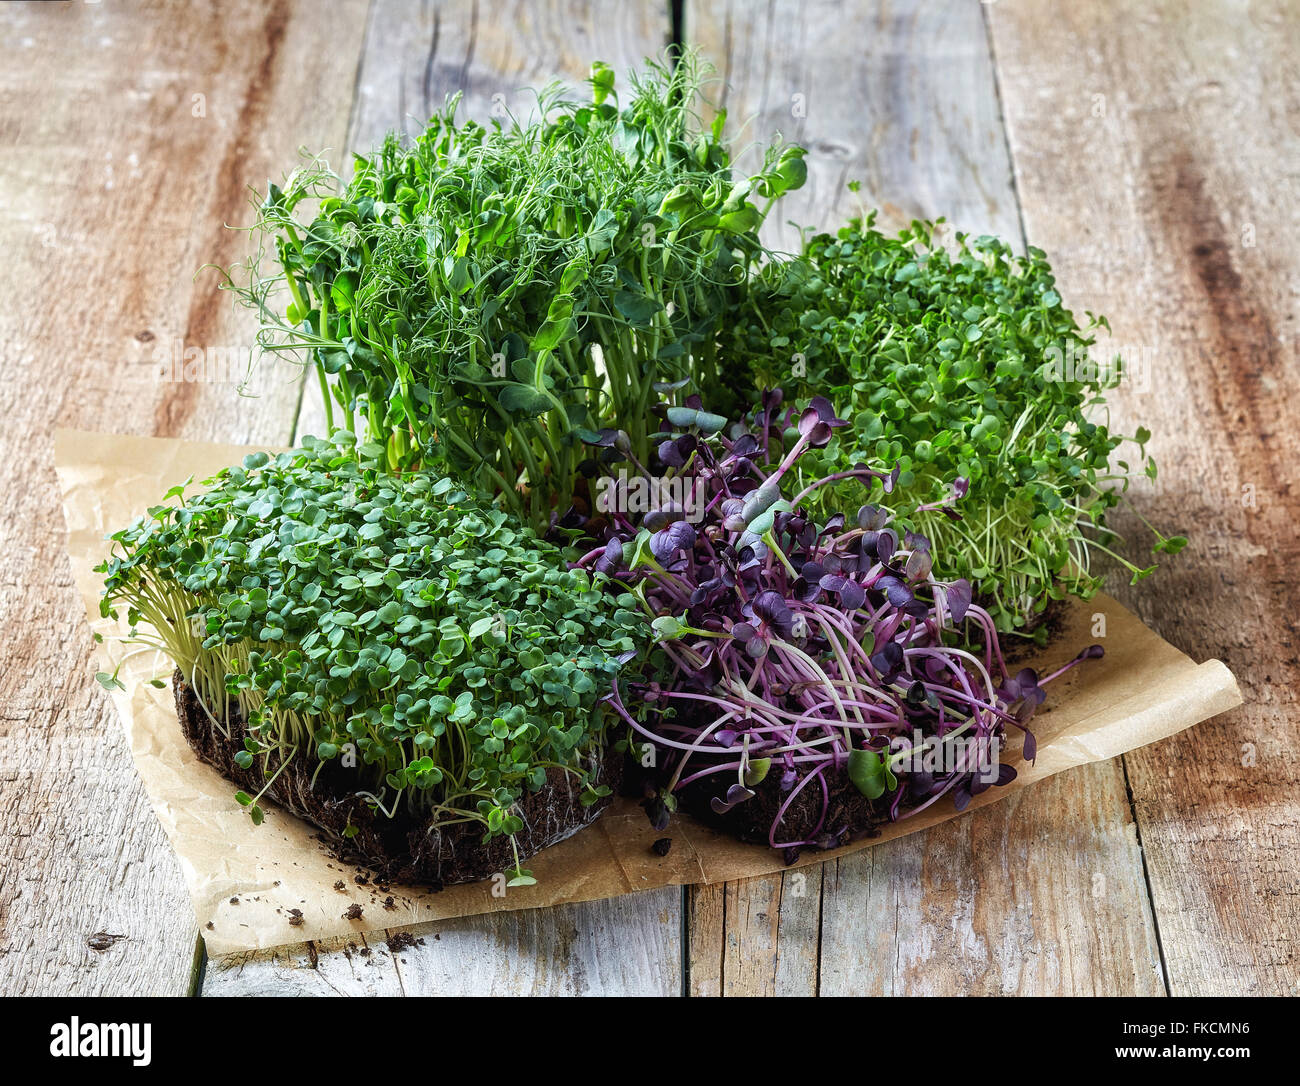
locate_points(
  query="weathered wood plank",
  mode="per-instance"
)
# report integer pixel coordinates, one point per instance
(1171, 199)
(757, 936)
(902, 97)
(899, 97)
(984, 909)
(494, 54)
(611, 947)
(127, 137)
(415, 56)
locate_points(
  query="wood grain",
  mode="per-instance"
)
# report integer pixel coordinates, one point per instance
(903, 98)
(611, 947)
(416, 55)
(757, 936)
(113, 191)
(1171, 201)
(896, 96)
(1039, 894)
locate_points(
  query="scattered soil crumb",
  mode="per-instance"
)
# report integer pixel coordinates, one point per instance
(661, 847)
(295, 918)
(361, 879)
(234, 901)
(101, 941)
(353, 912)
(389, 903)
(210, 927)
(400, 940)
(340, 885)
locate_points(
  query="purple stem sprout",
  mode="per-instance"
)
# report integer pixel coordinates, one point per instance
(820, 650)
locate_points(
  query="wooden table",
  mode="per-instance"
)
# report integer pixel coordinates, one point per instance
(1152, 148)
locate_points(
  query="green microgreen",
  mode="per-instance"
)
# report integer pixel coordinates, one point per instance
(960, 365)
(342, 607)
(480, 295)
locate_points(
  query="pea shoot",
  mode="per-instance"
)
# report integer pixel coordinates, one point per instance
(481, 296)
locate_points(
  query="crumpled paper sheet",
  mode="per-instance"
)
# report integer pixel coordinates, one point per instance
(244, 880)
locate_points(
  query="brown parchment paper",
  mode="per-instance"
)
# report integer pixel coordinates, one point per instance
(243, 879)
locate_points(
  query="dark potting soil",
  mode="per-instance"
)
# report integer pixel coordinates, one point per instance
(403, 848)
(1015, 650)
(850, 816)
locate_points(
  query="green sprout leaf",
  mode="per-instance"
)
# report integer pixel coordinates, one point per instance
(108, 682)
(871, 773)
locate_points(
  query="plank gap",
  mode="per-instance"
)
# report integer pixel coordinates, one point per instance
(1146, 875)
(1002, 125)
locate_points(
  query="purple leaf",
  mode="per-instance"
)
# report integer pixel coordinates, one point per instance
(806, 591)
(658, 519)
(888, 660)
(831, 582)
(657, 811)
(852, 596)
(670, 454)
(878, 545)
(959, 600)
(918, 565)
(738, 793)
(1030, 749)
(898, 594)
(872, 518)
(679, 536)
(774, 611)
(611, 558)
(605, 439)
(915, 541)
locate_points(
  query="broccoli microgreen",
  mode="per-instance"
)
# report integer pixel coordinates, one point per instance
(340, 606)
